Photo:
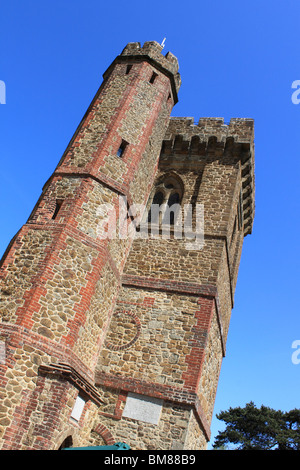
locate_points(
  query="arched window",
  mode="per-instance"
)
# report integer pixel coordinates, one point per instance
(164, 202)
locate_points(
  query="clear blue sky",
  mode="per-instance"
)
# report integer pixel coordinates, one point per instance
(237, 59)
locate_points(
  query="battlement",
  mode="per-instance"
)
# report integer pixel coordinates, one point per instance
(153, 49)
(151, 52)
(188, 144)
(240, 129)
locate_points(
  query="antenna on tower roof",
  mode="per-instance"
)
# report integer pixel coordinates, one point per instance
(163, 43)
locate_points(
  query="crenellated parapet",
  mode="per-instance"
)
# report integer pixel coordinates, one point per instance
(239, 129)
(189, 144)
(151, 52)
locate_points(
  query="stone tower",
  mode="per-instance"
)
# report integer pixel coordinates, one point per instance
(108, 337)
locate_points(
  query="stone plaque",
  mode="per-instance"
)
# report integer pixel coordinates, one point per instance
(142, 408)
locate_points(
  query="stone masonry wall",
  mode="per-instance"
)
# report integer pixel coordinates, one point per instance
(34, 409)
(149, 337)
(169, 434)
(210, 370)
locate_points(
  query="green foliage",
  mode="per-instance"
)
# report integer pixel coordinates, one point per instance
(263, 428)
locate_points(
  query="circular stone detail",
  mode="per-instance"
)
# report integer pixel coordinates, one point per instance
(125, 328)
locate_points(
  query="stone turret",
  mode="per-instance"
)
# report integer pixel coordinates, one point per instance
(59, 278)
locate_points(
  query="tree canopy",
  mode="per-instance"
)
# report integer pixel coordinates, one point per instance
(252, 428)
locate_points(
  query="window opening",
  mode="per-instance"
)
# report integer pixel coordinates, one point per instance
(153, 77)
(240, 212)
(153, 214)
(122, 148)
(233, 231)
(165, 206)
(172, 209)
(128, 68)
(57, 209)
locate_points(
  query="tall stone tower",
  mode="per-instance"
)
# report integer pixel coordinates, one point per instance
(108, 337)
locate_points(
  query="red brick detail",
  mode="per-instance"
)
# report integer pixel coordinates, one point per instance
(65, 372)
(169, 285)
(194, 360)
(165, 392)
(50, 417)
(134, 154)
(45, 272)
(105, 433)
(149, 301)
(118, 409)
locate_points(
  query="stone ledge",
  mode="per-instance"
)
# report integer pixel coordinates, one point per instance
(16, 336)
(66, 372)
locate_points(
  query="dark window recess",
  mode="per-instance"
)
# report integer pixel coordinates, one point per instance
(128, 68)
(153, 213)
(233, 231)
(240, 212)
(57, 209)
(173, 205)
(152, 79)
(122, 148)
(68, 442)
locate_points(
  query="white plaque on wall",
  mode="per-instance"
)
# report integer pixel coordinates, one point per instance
(142, 408)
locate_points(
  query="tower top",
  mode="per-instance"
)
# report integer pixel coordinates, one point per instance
(151, 52)
(186, 137)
